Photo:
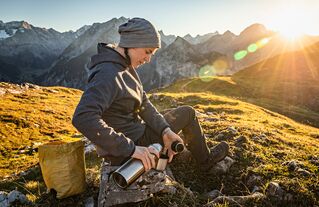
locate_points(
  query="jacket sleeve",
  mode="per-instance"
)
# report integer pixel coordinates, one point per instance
(152, 117)
(87, 119)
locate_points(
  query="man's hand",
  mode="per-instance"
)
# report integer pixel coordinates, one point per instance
(146, 155)
(168, 138)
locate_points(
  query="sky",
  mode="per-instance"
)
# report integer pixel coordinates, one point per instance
(178, 17)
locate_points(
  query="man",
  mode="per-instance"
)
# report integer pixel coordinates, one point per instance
(116, 115)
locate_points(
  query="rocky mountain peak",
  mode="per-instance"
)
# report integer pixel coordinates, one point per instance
(15, 25)
(254, 30)
(167, 39)
(181, 42)
(229, 33)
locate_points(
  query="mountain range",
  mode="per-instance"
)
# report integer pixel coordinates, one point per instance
(48, 57)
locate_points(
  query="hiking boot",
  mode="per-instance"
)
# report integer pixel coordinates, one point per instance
(217, 153)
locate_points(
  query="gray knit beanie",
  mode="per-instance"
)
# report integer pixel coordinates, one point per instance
(139, 33)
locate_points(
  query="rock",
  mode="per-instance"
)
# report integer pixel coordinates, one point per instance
(219, 136)
(200, 115)
(13, 91)
(143, 188)
(52, 91)
(254, 180)
(303, 172)
(274, 190)
(211, 195)
(232, 130)
(241, 142)
(260, 137)
(30, 85)
(256, 189)
(241, 139)
(17, 197)
(292, 165)
(236, 200)
(4, 199)
(223, 166)
(314, 160)
(89, 202)
(212, 119)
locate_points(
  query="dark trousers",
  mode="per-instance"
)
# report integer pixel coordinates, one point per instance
(182, 118)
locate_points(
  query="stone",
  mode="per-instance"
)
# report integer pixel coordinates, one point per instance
(17, 197)
(212, 119)
(303, 172)
(89, 202)
(260, 137)
(211, 113)
(292, 165)
(142, 189)
(211, 195)
(200, 115)
(256, 189)
(254, 180)
(219, 136)
(13, 91)
(223, 166)
(232, 130)
(235, 200)
(4, 199)
(30, 85)
(274, 190)
(241, 139)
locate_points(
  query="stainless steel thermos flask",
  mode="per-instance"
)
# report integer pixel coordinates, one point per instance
(131, 170)
(134, 168)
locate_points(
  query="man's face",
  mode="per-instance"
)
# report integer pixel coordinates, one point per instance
(139, 56)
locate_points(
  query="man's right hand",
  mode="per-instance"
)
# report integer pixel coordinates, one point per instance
(146, 155)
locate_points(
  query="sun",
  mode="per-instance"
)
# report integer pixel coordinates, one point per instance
(290, 22)
(290, 33)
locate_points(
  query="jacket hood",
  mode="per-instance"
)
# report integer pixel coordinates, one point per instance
(105, 54)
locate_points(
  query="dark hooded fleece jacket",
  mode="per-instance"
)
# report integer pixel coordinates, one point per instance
(114, 110)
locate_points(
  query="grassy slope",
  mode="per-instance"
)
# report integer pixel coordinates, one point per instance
(226, 86)
(286, 140)
(24, 121)
(31, 118)
(289, 77)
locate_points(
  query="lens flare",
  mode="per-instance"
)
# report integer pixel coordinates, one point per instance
(261, 43)
(220, 65)
(240, 54)
(252, 47)
(206, 73)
